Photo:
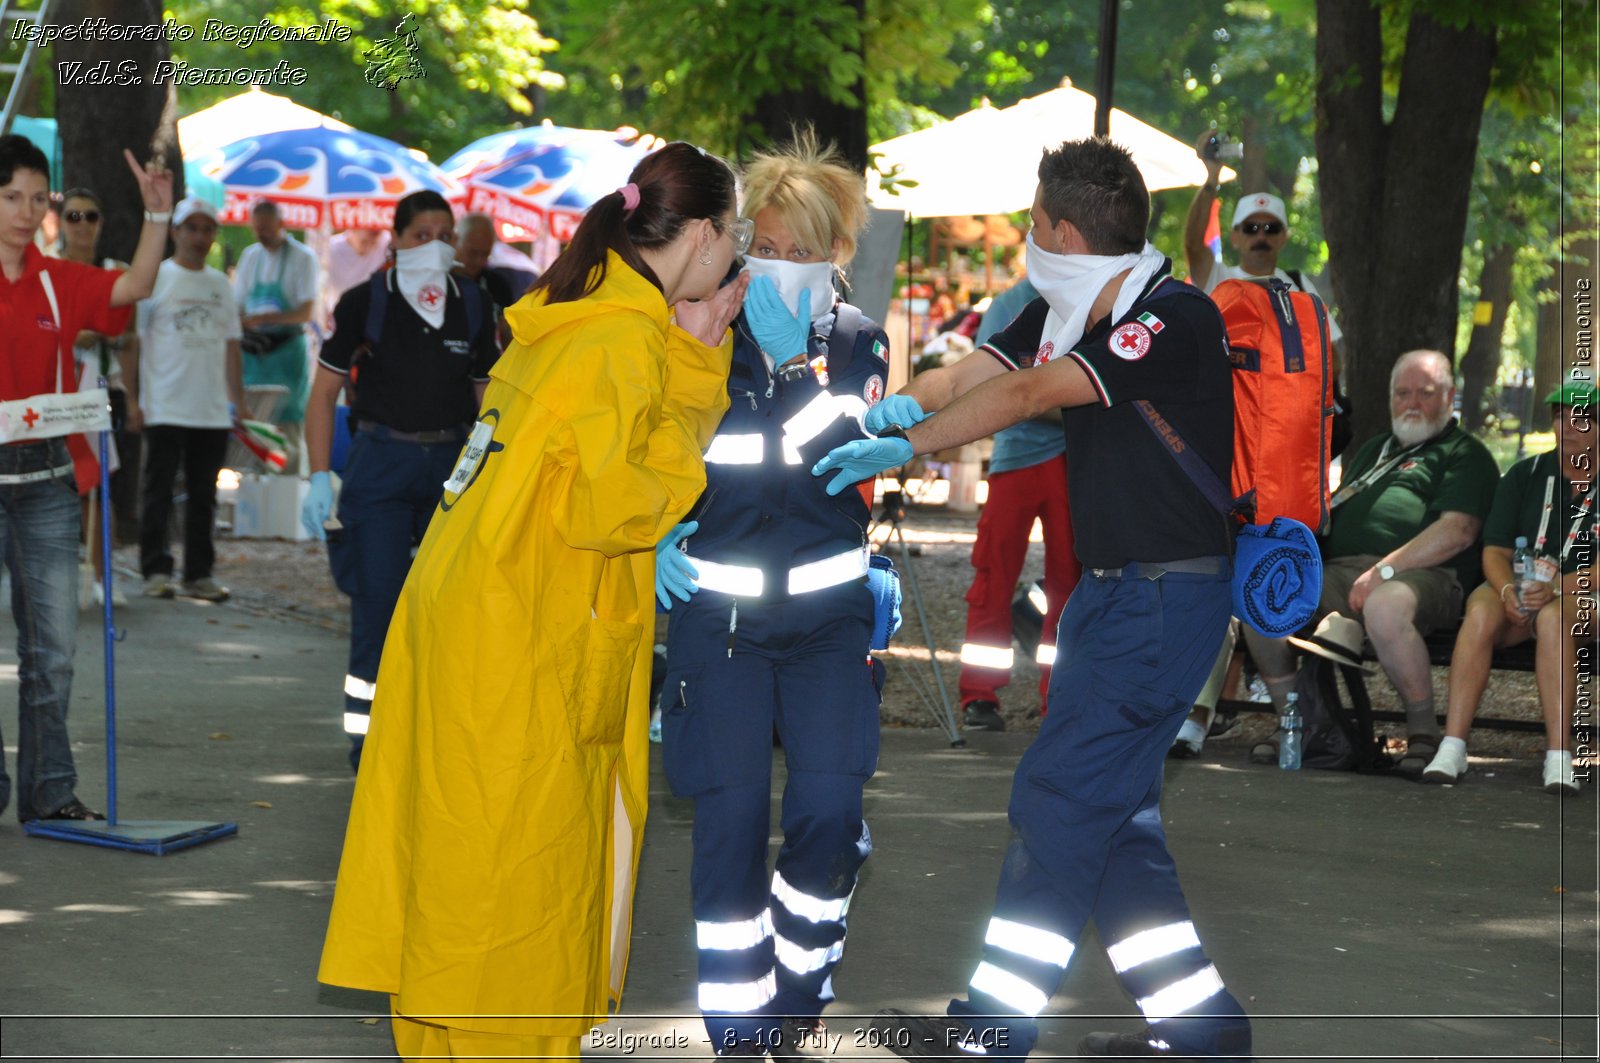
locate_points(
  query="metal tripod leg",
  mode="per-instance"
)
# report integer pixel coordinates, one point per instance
(942, 710)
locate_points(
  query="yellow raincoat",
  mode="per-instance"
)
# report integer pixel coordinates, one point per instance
(493, 843)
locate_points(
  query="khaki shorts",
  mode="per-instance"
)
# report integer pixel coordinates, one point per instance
(1439, 596)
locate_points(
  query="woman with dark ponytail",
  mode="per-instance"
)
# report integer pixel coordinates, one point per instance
(490, 859)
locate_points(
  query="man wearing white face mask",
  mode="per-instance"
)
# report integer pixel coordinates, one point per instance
(411, 349)
(1138, 364)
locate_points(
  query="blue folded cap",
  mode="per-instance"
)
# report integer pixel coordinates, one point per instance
(1277, 576)
(884, 583)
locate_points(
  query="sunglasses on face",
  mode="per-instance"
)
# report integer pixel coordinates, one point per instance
(75, 216)
(1271, 228)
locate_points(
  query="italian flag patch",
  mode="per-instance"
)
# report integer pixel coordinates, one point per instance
(1151, 322)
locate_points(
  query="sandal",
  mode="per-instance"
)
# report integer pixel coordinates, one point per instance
(1420, 751)
(75, 809)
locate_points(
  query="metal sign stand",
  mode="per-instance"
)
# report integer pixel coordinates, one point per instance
(157, 837)
(933, 694)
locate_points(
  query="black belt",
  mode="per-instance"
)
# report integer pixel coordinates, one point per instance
(1193, 566)
(438, 435)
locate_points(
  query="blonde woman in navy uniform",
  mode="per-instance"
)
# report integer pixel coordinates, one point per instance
(771, 619)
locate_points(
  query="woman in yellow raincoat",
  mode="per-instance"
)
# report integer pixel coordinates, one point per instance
(489, 864)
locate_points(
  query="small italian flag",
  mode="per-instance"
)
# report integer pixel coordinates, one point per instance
(1151, 322)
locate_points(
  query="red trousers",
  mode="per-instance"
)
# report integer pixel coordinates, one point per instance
(1016, 498)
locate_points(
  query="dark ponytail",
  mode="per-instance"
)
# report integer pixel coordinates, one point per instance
(676, 185)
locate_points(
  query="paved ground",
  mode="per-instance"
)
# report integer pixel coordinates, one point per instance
(1359, 918)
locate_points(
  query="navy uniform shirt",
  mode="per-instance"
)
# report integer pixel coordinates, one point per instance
(418, 378)
(1131, 500)
(762, 507)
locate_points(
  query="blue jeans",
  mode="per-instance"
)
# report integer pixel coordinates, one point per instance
(39, 532)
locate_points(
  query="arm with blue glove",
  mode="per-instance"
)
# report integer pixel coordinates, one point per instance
(861, 459)
(317, 507)
(675, 575)
(780, 333)
(900, 409)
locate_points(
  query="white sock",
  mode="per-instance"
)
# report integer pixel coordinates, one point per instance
(1456, 745)
(1558, 758)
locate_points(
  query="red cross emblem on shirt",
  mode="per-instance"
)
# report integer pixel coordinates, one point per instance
(430, 296)
(32, 417)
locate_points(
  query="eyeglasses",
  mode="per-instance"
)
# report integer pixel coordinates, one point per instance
(75, 216)
(742, 231)
(1271, 228)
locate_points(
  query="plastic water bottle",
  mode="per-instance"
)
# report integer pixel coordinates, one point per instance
(1522, 568)
(1291, 734)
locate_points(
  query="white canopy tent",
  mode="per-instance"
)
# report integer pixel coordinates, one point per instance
(251, 113)
(987, 160)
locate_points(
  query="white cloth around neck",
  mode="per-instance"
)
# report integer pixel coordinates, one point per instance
(1071, 284)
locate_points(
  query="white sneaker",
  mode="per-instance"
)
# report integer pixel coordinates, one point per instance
(158, 586)
(1191, 736)
(1447, 765)
(1559, 778)
(117, 597)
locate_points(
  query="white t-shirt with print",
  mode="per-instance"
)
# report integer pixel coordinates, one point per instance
(184, 329)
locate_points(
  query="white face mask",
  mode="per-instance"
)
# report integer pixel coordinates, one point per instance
(792, 278)
(421, 274)
(1071, 284)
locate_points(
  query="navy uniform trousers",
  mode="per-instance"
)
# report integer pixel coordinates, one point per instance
(768, 945)
(1085, 807)
(389, 492)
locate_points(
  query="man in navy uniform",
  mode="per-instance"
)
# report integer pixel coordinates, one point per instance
(1138, 364)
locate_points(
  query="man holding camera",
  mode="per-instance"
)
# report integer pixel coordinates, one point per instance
(1260, 230)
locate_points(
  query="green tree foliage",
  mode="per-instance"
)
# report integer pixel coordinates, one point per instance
(697, 70)
(482, 59)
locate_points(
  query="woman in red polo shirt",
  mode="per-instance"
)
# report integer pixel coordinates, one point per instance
(44, 304)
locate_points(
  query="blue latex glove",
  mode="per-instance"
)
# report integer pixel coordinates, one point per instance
(317, 506)
(780, 333)
(861, 458)
(675, 575)
(902, 410)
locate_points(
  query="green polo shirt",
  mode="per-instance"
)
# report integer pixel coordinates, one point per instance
(1519, 506)
(1452, 472)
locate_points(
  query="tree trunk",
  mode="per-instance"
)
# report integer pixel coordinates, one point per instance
(97, 122)
(1395, 195)
(842, 124)
(1480, 365)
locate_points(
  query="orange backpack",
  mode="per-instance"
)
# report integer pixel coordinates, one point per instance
(1282, 398)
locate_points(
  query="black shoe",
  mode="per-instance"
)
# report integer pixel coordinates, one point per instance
(982, 716)
(73, 809)
(1127, 1044)
(1233, 1044)
(918, 1036)
(801, 1038)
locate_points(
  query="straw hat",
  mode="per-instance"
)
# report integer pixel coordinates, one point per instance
(1338, 639)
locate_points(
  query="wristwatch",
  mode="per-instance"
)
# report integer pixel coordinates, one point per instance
(1386, 572)
(892, 431)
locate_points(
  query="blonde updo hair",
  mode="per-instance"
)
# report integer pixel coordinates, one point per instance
(822, 200)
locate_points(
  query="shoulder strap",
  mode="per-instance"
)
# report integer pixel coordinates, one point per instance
(55, 312)
(1201, 474)
(1294, 275)
(842, 342)
(377, 307)
(473, 297)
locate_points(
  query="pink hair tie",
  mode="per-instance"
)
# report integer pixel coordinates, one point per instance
(630, 196)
